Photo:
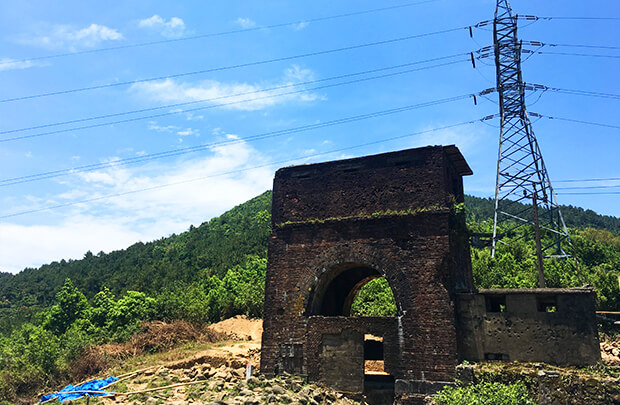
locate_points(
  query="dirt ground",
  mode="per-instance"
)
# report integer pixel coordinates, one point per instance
(240, 328)
(213, 371)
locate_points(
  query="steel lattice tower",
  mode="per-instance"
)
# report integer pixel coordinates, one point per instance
(524, 196)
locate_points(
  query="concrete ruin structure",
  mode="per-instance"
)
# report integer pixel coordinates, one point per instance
(337, 225)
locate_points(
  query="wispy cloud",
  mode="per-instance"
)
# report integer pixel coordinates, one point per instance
(15, 64)
(238, 96)
(153, 126)
(300, 26)
(189, 131)
(245, 22)
(173, 28)
(66, 36)
(179, 194)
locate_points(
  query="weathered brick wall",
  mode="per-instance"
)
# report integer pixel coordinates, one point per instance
(391, 214)
(513, 325)
(414, 178)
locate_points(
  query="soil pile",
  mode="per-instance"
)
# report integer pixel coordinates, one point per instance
(239, 328)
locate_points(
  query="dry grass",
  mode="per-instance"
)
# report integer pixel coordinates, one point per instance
(155, 337)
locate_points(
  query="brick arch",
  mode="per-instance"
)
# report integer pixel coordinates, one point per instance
(371, 262)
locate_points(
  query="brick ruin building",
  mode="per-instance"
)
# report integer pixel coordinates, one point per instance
(338, 225)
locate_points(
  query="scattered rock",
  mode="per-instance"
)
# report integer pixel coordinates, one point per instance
(253, 381)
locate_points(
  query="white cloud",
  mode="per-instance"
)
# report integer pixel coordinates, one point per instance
(65, 36)
(178, 195)
(33, 245)
(189, 131)
(238, 96)
(173, 28)
(154, 127)
(245, 22)
(14, 64)
(300, 26)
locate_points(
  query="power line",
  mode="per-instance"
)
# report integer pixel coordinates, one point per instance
(198, 148)
(237, 66)
(586, 187)
(92, 118)
(534, 18)
(580, 18)
(223, 33)
(530, 86)
(221, 104)
(584, 180)
(583, 46)
(237, 171)
(570, 54)
(533, 114)
(601, 193)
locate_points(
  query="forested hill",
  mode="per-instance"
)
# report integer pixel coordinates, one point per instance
(481, 209)
(209, 249)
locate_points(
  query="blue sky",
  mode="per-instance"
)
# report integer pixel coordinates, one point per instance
(157, 197)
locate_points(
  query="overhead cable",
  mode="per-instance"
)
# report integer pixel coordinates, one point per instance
(535, 87)
(585, 180)
(272, 163)
(237, 66)
(202, 147)
(285, 86)
(221, 104)
(223, 33)
(575, 120)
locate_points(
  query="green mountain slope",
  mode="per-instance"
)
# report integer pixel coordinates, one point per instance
(481, 209)
(214, 247)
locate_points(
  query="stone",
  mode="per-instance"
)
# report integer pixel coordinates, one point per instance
(253, 380)
(278, 390)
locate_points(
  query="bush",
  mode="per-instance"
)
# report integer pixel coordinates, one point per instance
(485, 394)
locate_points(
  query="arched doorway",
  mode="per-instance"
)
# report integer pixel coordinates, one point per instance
(359, 291)
(336, 290)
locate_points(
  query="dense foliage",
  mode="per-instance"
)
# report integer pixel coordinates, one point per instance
(485, 394)
(42, 352)
(481, 209)
(210, 249)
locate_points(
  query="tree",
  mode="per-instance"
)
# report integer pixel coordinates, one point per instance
(70, 305)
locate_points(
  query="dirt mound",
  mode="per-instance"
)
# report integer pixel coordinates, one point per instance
(239, 328)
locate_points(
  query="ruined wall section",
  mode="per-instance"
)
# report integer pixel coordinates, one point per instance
(555, 326)
(410, 251)
(399, 181)
(392, 214)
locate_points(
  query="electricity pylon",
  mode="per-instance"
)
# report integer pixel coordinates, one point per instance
(524, 197)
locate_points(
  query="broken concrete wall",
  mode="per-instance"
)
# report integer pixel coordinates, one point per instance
(321, 328)
(555, 326)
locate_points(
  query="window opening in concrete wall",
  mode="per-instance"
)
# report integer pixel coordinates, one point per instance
(547, 303)
(496, 357)
(373, 355)
(495, 303)
(378, 384)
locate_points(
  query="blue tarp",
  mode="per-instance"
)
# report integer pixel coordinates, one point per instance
(67, 393)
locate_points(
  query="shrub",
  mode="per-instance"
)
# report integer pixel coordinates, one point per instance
(485, 394)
